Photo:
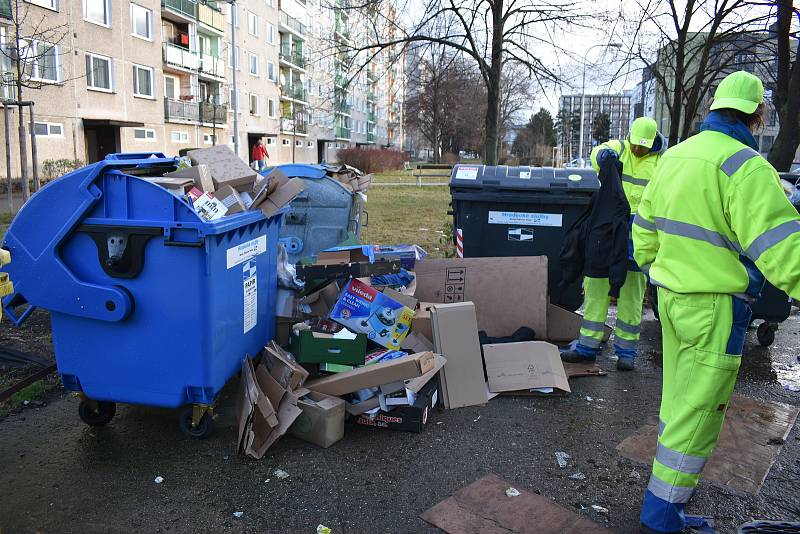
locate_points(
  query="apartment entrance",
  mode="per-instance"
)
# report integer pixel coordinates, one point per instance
(102, 137)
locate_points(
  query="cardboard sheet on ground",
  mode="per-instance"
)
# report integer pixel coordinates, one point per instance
(750, 441)
(484, 507)
(507, 292)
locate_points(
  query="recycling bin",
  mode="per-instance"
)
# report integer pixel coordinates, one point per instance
(150, 304)
(520, 211)
(325, 214)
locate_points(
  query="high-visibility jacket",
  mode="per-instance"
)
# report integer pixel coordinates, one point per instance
(636, 172)
(713, 206)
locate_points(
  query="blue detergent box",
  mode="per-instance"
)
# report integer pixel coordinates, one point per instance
(364, 309)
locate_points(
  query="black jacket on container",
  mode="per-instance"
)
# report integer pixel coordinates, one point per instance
(596, 245)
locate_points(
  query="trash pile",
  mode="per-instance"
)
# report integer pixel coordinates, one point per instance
(380, 336)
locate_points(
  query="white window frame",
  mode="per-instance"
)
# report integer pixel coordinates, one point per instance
(233, 14)
(208, 139)
(298, 143)
(270, 3)
(90, 56)
(271, 141)
(234, 57)
(48, 126)
(47, 4)
(272, 108)
(175, 85)
(285, 142)
(258, 104)
(310, 144)
(250, 56)
(251, 28)
(32, 61)
(136, 94)
(149, 15)
(107, 23)
(270, 33)
(150, 135)
(273, 69)
(183, 137)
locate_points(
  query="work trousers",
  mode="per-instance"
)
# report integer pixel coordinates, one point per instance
(595, 313)
(703, 336)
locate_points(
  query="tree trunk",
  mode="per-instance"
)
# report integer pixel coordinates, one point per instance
(675, 112)
(787, 94)
(494, 85)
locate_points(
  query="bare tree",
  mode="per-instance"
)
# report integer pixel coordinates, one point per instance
(786, 96)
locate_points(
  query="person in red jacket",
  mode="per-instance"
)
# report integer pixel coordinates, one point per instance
(259, 155)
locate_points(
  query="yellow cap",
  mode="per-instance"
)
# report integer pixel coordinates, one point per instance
(741, 91)
(643, 132)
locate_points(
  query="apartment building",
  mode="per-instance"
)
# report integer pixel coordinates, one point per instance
(159, 75)
(616, 106)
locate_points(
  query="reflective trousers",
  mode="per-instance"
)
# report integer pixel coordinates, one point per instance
(703, 335)
(595, 313)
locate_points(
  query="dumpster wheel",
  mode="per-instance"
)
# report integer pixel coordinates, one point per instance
(96, 413)
(196, 421)
(766, 333)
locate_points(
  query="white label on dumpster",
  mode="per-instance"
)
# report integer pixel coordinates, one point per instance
(467, 173)
(524, 219)
(245, 251)
(250, 295)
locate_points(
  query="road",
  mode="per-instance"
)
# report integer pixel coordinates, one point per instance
(58, 475)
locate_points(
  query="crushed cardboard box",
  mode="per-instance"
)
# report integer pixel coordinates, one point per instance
(410, 366)
(231, 199)
(199, 174)
(321, 421)
(225, 166)
(275, 190)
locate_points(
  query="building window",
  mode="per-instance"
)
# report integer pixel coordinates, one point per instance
(271, 141)
(208, 139)
(141, 22)
(252, 23)
(235, 57)
(271, 108)
(170, 84)
(252, 60)
(99, 73)
(310, 144)
(235, 100)
(144, 134)
(143, 81)
(270, 3)
(49, 129)
(44, 60)
(285, 142)
(97, 11)
(298, 144)
(270, 33)
(271, 71)
(180, 137)
(233, 14)
(766, 142)
(49, 4)
(255, 104)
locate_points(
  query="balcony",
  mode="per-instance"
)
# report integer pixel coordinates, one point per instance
(213, 113)
(342, 133)
(181, 111)
(211, 16)
(294, 58)
(187, 8)
(292, 23)
(212, 66)
(371, 116)
(370, 138)
(342, 107)
(178, 56)
(289, 125)
(296, 92)
(371, 96)
(342, 28)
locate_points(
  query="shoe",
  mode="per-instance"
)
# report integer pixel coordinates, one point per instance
(573, 356)
(625, 364)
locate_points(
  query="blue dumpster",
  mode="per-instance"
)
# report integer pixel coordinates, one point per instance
(150, 304)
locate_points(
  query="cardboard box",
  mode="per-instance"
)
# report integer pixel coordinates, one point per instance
(371, 376)
(455, 336)
(524, 366)
(199, 174)
(231, 199)
(289, 374)
(225, 167)
(416, 342)
(564, 325)
(315, 347)
(176, 186)
(209, 208)
(364, 309)
(507, 292)
(321, 421)
(270, 198)
(283, 329)
(412, 418)
(338, 257)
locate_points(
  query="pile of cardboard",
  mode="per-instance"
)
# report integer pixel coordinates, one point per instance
(218, 183)
(352, 178)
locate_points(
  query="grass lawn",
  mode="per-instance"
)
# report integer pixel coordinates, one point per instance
(405, 177)
(408, 215)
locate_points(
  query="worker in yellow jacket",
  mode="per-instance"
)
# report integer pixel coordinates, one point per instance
(713, 219)
(638, 154)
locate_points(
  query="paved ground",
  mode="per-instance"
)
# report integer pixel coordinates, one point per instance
(58, 475)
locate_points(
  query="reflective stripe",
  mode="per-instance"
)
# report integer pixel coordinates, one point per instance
(685, 463)
(644, 223)
(624, 343)
(735, 162)
(625, 327)
(590, 342)
(661, 426)
(646, 268)
(692, 231)
(592, 325)
(771, 237)
(635, 181)
(667, 492)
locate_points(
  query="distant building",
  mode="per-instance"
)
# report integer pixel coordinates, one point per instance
(617, 107)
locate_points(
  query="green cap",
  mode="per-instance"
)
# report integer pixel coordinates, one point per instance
(643, 132)
(741, 91)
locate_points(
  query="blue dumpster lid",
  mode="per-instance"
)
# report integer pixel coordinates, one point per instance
(502, 177)
(300, 170)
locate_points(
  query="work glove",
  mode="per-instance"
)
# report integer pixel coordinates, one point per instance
(605, 154)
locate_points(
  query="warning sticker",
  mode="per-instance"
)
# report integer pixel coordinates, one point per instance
(467, 173)
(250, 290)
(247, 250)
(520, 234)
(454, 285)
(524, 219)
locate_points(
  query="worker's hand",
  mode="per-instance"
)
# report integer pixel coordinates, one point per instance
(605, 154)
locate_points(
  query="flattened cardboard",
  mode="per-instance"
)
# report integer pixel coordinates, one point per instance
(231, 199)
(338, 257)
(422, 320)
(524, 366)
(225, 166)
(402, 298)
(416, 342)
(484, 507)
(321, 421)
(200, 174)
(455, 336)
(271, 201)
(289, 374)
(564, 325)
(507, 292)
(176, 186)
(374, 375)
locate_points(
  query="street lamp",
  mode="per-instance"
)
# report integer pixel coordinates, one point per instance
(235, 56)
(583, 95)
